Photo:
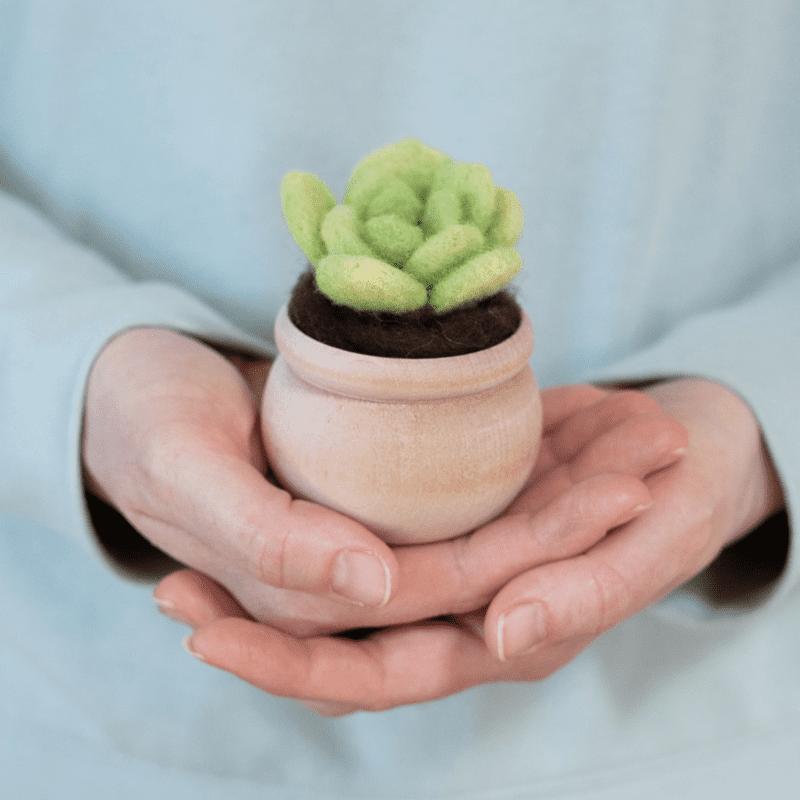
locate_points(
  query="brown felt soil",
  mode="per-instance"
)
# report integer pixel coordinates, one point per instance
(417, 334)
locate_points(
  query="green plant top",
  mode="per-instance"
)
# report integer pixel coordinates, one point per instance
(415, 227)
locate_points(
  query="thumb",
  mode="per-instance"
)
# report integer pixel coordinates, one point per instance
(226, 519)
(553, 604)
(584, 596)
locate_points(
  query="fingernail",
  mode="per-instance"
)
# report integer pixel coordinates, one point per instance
(520, 630)
(168, 609)
(361, 578)
(187, 646)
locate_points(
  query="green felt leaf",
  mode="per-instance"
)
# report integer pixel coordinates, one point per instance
(392, 238)
(506, 226)
(479, 277)
(474, 183)
(341, 232)
(412, 218)
(305, 201)
(394, 196)
(444, 251)
(358, 195)
(368, 284)
(444, 207)
(409, 159)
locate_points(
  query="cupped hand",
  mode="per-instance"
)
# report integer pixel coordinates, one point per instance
(596, 448)
(722, 487)
(586, 481)
(171, 439)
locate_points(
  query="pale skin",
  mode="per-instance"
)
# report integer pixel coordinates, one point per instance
(633, 494)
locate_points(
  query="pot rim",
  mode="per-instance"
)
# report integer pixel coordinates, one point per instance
(398, 379)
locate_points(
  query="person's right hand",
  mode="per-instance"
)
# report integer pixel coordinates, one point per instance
(172, 441)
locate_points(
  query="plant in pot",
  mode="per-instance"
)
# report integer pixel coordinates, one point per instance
(402, 395)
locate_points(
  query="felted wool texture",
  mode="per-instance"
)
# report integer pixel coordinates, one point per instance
(415, 228)
(416, 334)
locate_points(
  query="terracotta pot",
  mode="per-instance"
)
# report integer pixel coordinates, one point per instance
(416, 449)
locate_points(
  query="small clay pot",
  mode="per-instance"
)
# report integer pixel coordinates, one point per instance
(417, 450)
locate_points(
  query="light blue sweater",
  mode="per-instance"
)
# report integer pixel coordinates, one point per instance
(655, 148)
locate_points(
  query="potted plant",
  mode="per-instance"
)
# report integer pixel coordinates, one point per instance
(402, 395)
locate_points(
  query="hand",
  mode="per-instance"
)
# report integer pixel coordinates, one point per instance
(457, 576)
(171, 439)
(571, 502)
(724, 487)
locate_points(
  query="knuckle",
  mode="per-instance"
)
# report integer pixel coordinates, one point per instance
(266, 551)
(611, 597)
(267, 543)
(464, 581)
(158, 470)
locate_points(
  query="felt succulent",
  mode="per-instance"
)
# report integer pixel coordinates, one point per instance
(415, 228)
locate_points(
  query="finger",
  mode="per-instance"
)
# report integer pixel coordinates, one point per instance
(590, 422)
(249, 524)
(622, 574)
(195, 599)
(463, 574)
(446, 577)
(558, 404)
(396, 667)
(586, 429)
(561, 402)
(637, 446)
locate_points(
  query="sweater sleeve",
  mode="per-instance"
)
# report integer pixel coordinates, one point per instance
(753, 348)
(60, 304)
